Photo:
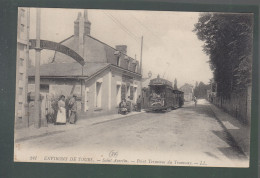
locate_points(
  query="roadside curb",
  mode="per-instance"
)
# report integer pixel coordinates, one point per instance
(124, 116)
(233, 141)
(83, 122)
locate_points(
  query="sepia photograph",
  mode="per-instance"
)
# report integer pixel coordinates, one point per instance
(133, 87)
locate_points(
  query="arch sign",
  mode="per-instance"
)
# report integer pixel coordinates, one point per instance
(45, 44)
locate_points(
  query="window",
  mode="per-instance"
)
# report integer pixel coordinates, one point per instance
(131, 92)
(123, 94)
(20, 106)
(19, 112)
(45, 88)
(128, 91)
(22, 12)
(86, 99)
(118, 94)
(135, 94)
(118, 61)
(20, 76)
(22, 27)
(20, 91)
(98, 94)
(21, 61)
(128, 65)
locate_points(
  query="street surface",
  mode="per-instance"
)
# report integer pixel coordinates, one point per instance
(184, 134)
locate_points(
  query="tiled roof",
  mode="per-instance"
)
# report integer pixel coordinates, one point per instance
(73, 69)
(94, 51)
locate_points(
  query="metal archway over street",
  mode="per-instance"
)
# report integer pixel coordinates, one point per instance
(45, 44)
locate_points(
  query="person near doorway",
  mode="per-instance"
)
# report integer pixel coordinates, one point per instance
(67, 107)
(138, 102)
(129, 104)
(61, 116)
(123, 107)
(73, 110)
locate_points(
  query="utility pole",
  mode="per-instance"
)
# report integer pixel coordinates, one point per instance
(37, 101)
(141, 61)
(81, 52)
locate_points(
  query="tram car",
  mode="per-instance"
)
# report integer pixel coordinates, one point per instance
(162, 96)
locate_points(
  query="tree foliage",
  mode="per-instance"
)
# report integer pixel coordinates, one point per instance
(228, 42)
(200, 90)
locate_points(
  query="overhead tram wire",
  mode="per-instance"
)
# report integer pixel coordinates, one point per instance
(125, 29)
(144, 26)
(132, 35)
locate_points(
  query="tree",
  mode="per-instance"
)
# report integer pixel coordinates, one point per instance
(175, 85)
(196, 84)
(228, 42)
(200, 91)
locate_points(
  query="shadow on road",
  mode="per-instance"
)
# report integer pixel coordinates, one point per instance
(157, 112)
(200, 109)
(211, 155)
(232, 152)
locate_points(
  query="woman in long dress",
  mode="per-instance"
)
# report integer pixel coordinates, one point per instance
(61, 117)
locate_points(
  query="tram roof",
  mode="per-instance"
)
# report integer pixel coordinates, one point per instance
(160, 81)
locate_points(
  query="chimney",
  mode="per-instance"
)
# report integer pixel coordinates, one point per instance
(121, 48)
(87, 23)
(76, 25)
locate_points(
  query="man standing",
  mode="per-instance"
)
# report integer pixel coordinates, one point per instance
(138, 102)
(195, 101)
(67, 107)
(73, 106)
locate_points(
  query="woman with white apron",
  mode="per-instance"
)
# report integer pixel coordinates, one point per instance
(61, 117)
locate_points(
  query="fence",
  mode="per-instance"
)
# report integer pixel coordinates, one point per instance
(238, 105)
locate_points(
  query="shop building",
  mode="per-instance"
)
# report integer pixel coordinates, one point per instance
(108, 75)
(188, 91)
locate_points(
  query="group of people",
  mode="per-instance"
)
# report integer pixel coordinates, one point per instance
(123, 106)
(66, 110)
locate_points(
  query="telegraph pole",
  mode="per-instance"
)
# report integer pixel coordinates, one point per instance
(37, 101)
(141, 61)
(81, 52)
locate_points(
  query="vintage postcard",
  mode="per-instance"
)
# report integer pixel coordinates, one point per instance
(133, 87)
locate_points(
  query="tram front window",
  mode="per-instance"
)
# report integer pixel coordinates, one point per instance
(157, 92)
(157, 96)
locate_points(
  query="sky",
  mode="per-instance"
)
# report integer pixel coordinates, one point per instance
(170, 48)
